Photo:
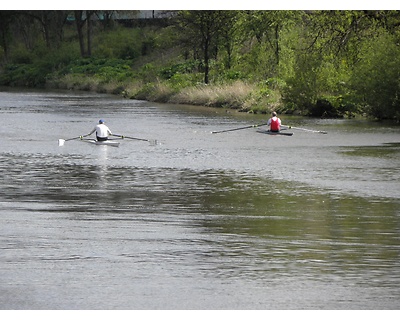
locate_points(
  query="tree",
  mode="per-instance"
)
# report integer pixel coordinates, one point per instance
(106, 17)
(376, 78)
(228, 34)
(89, 31)
(6, 19)
(81, 18)
(52, 23)
(266, 27)
(202, 30)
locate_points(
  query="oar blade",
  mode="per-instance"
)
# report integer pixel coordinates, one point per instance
(62, 141)
(153, 142)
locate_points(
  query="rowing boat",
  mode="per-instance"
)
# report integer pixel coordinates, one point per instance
(280, 133)
(102, 143)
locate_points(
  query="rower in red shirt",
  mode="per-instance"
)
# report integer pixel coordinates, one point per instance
(274, 123)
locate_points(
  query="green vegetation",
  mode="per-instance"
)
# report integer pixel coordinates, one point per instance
(315, 63)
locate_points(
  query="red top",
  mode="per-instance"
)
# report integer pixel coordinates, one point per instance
(275, 125)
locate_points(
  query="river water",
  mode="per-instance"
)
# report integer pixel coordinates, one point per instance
(234, 220)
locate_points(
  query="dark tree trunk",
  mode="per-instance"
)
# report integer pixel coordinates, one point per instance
(79, 25)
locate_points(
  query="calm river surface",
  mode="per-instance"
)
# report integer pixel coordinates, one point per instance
(235, 220)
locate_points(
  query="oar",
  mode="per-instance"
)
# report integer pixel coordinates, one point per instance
(315, 131)
(153, 142)
(61, 141)
(252, 126)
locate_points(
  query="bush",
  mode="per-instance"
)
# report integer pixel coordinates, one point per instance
(179, 68)
(120, 44)
(23, 75)
(301, 89)
(105, 69)
(21, 55)
(376, 79)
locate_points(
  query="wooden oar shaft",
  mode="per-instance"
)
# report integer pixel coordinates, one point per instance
(247, 127)
(315, 131)
(80, 137)
(133, 138)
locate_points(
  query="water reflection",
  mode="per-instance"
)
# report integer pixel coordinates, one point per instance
(101, 168)
(387, 150)
(257, 227)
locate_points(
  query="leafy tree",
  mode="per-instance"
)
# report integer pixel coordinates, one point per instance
(228, 34)
(328, 47)
(376, 78)
(204, 31)
(274, 22)
(267, 27)
(302, 89)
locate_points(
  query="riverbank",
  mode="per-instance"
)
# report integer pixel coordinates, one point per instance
(236, 95)
(146, 82)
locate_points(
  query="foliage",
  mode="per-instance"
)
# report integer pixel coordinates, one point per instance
(317, 63)
(122, 43)
(23, 75)
(187, 66)
(105, 69)
(376, 79)
(206, 32)
(158, 91)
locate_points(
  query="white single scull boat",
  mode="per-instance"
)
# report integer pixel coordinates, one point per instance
(111, 143)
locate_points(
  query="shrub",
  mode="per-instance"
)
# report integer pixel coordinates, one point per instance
(179, 68)
(121, 44)
(376, 79)
(23, 75)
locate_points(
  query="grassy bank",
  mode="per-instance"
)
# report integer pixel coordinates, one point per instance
(170, 82)
(238, 95)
